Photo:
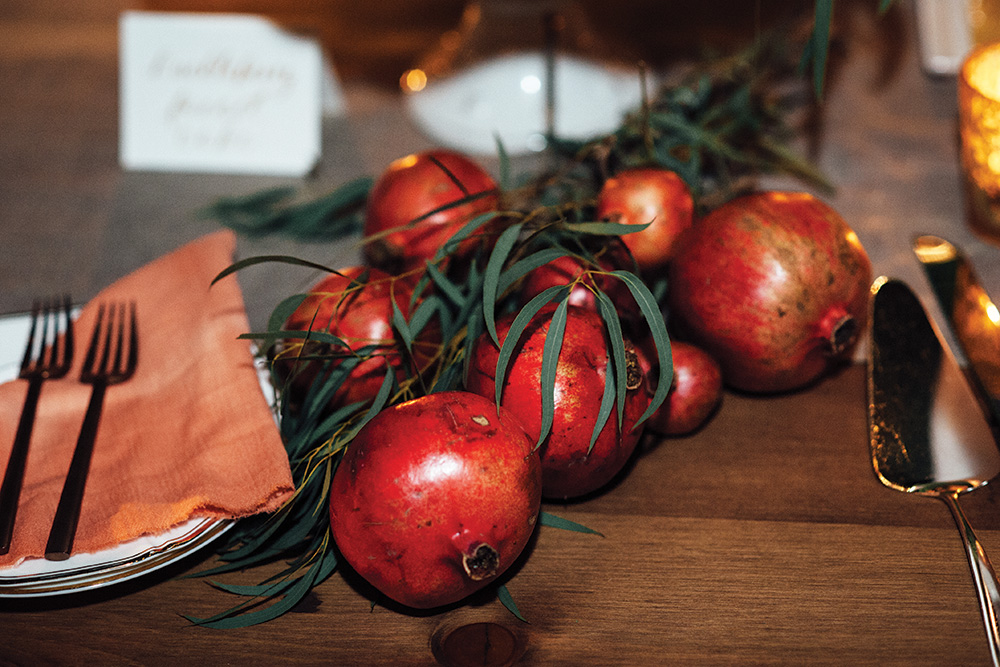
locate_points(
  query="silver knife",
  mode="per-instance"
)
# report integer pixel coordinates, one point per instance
(927, 432)
(972, 316)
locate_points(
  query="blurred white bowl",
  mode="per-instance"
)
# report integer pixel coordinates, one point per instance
(505, 97)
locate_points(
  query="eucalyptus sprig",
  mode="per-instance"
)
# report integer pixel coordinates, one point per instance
(721, 123)
(454, 299)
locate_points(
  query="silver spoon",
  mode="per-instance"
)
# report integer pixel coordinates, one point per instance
(927, 432)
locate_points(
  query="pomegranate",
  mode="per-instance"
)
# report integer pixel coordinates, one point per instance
(773, 285)
(648, 195)
(435, 498)
(565, 270)
(694, 393)
(400, 212)
(568, 469)
(357, 310)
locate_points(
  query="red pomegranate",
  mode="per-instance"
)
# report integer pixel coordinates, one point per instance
(568, 470)
(773, 285)
(401, 217)
(694, 393)
(565, 270)
(648, 195)
(355, 306)
(435, 498)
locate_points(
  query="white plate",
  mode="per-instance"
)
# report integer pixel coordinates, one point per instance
(84, 571)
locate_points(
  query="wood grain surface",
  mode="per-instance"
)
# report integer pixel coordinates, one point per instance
(765, 538)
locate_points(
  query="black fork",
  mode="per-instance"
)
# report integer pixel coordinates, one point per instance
(116, 341)
(47, 356)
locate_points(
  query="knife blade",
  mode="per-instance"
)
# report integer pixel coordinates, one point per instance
(926, 424)
(927, 432)
(972, 316)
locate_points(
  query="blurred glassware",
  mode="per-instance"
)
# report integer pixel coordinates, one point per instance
(984, 19)
(979, 127)
(514, 70)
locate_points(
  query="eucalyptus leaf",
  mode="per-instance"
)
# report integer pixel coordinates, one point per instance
(284, 310)
(401, 326)
(604, 412)
(257, 590)
(550, 362)
(553, 521)
(423, 313)
(467, 230)
(295, 594)
(334, 215)
(491, 277)
(443, 283)
(526, 265)
(380, 400)
(507, 600)
(291, 334)
(658, 329)
(263, 259)
(605, 228)
(517, 327)
(616, 338)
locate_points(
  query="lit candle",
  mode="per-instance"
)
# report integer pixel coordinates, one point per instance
(979, 125)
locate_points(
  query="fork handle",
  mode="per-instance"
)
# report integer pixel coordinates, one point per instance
(10, 491)
(67, 516)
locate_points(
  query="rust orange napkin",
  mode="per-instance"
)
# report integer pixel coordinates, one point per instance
(190, 435)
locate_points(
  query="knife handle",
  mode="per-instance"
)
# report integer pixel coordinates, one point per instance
(983, 574)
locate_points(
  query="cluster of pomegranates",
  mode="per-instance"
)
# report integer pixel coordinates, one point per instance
(438, 495)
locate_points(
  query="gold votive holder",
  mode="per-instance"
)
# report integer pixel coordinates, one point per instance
(979, 127)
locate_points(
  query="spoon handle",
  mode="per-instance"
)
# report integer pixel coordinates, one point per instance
(983, 575)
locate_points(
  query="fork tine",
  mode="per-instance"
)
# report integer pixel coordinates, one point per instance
(67, 346)
(117, 368)
(133, 348)
(40, 363)
(88, 362)
(36, 307)
(103, 368)
(51, 317)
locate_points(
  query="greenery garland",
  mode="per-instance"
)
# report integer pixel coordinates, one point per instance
(722, 125)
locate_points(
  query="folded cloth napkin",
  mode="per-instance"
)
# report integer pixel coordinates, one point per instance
(190, 435)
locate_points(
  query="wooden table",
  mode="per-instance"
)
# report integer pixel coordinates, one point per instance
(763, 538)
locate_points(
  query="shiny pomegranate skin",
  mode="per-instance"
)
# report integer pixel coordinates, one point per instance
(412, 187)
(435, 498)
(694, 394)
(648, 195)
(361, 315)
(567, 469)
(773, 285)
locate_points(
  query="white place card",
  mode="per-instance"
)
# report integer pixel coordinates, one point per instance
(226, 93)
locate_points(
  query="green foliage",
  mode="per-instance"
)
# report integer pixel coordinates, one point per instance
(719, 126)
(507, 600)
(553, 521)
(332, 216)
(722, 123)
